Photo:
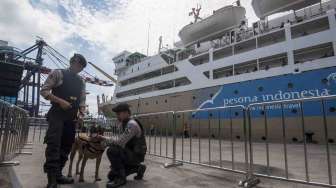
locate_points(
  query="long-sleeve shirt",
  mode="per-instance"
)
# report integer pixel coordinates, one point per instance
(132, 129)
(55, 79)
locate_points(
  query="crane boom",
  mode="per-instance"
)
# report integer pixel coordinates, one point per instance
(103, 72)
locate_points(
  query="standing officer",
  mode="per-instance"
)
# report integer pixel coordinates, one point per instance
(65, 89)
(126, 152)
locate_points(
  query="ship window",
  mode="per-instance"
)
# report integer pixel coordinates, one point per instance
(245, 67)
(324, 80)
(148, 64)
(221, 53)
(168, 69)
(273, 61)
(156, 102)
(314, 52)
(194, 97)
(223, 72)
(182, 82)
(271, 38)
(236, 92)
(311, 27)
(199, 60)
(207, 74)
(290, 85)
(245, 46)
(159, 86)
(146, 103)
(166, 101)
(151, 74)
(211, 95)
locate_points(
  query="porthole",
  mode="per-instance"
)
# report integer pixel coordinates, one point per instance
(324, 81)
(290, 85)
(260, 88)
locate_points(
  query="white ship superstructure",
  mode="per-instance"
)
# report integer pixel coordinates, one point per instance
(296, 42)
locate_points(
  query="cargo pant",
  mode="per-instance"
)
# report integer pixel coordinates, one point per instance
(122, 159)
(59, 139)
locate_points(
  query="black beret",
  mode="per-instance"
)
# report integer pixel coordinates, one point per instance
(122, 107)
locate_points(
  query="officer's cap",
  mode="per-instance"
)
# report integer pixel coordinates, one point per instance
(122, 107)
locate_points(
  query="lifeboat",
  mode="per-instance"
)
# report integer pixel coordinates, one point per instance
(213, 26)
(263, 8)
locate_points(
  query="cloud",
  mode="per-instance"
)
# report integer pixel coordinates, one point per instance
(100, 29)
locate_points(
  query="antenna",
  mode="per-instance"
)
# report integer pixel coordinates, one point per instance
(160, 43)
(148, 38)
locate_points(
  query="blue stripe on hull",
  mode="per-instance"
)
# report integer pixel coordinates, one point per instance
(314, 83)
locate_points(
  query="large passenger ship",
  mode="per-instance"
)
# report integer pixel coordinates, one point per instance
(222, 61)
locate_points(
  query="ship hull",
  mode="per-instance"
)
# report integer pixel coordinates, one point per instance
(314, 83)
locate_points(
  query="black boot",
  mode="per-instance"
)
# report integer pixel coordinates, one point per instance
(112, 175)
(64, 180)
(52, 183)
(140, 172)
(120, 180)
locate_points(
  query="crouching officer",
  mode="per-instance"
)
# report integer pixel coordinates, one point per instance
(127, 152)
(66, 91)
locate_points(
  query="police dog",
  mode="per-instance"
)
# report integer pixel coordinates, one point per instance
(88, 147)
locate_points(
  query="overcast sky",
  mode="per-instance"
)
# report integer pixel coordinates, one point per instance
(99, 29)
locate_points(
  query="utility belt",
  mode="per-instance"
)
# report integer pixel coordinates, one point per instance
(69, 114)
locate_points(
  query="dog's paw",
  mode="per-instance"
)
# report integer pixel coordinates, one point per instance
(98, 179)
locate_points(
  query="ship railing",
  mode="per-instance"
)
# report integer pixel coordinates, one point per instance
(13, 132)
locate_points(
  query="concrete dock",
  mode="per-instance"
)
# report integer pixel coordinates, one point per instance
(29, 173)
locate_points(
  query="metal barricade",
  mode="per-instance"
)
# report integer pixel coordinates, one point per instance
(37, 128)
(213, 137)
(111, 127)
(13, 132)
(159, 132)
(298, 157)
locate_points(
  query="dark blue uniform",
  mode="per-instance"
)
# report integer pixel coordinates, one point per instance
(61, 132)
